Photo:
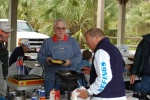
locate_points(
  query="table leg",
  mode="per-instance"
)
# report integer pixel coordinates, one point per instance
(68, 89)
(23, 95)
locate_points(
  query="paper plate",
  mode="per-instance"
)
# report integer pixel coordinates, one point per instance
(57, 61)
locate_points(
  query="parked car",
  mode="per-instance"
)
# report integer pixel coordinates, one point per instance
(25, 32)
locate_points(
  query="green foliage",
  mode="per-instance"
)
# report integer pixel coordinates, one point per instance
(3, 8)
(138, 19)
(111, 20)
(79, 37)
(81, 16)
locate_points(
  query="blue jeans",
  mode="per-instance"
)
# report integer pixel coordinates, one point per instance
(84, 83)
(145, 84)
(49, 85)
(137, 86)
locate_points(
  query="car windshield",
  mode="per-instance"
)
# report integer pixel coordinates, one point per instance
(24, 27)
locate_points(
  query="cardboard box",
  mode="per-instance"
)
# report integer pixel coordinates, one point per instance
(26, 82)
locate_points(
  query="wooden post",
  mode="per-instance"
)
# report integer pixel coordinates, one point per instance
(100, 14)
(13, 23)
(121, 21)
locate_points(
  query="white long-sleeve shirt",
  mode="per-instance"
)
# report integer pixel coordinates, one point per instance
(103, 70)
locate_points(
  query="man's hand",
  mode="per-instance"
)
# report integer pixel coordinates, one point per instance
(132, 79)
(86, 70)
(68, 62)
(48, 59)
(83, 93)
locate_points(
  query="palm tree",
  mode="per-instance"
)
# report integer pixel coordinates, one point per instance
(4, 8)
(77, 14)
(138, 20)
(29, 10)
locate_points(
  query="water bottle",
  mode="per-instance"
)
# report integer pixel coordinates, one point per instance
(34, 97)
(38, 92)
(42, 94)
(22, 69)
(19, 65)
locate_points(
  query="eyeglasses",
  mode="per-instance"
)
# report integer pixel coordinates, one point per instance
(61, 28)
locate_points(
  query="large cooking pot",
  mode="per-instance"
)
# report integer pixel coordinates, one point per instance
(69, 79)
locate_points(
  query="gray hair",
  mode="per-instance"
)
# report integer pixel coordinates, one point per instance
(94, 31)
(59, 20)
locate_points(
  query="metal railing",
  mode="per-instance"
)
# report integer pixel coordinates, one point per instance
(130, 38)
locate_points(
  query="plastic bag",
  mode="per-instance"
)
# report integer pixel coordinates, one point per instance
(75, 94)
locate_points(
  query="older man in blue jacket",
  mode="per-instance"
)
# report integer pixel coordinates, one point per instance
(59, 46)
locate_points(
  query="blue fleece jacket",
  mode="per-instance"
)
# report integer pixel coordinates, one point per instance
(106, 77)
(63, 50)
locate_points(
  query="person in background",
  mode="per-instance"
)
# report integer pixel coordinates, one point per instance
(59, 46)
(5, 31)
(141, 67)
(20, 51)
(106, 75)
(86, 62)
(87, 56)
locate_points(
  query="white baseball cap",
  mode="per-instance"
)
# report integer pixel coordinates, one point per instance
(5, 27)
(26, 44)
